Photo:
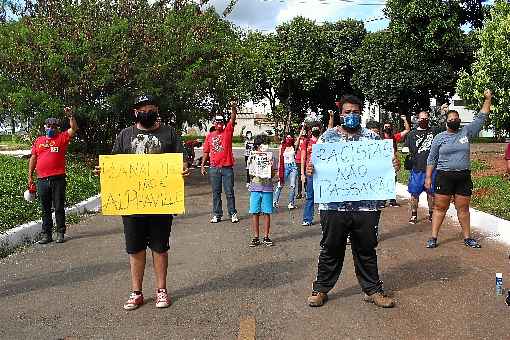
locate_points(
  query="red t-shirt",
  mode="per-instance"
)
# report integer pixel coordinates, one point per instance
(507, 153)
(219, 147)
(50, 153)
(308, 148)
(301, 145)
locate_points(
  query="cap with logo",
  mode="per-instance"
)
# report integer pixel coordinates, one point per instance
(52, 121)
(145, 99)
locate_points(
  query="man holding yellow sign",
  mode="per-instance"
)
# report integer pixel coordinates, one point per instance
(144, 183)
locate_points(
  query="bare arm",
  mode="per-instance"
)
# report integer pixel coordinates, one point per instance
(31, 168)
(72, 121)
(233, 115)
(407, 127)
(331, 119)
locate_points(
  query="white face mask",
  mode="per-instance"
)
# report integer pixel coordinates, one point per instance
(263, 147)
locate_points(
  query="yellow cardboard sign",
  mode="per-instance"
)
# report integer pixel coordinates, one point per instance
(142, 184)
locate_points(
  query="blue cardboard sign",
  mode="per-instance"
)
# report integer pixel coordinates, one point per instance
(353, 171)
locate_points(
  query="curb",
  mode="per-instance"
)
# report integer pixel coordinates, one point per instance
(493, 227)
(29, 231)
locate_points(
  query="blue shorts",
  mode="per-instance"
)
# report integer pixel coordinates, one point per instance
(417, 183)
(261, 202)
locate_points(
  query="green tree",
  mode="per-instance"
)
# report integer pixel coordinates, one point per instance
(99, 54)
(491, 68)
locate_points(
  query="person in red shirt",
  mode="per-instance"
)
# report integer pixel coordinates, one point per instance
(48, 161)
(218, 147)
(397, 138)
(300, 144)
(306, 156)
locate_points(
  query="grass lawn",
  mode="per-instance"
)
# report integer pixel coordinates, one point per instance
(491, 193)
(81, 184)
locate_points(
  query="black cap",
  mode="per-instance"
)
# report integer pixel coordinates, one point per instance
(145, 99)
(52, 121)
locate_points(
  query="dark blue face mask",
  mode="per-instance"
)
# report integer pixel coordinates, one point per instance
(352, 121)
(50, 133)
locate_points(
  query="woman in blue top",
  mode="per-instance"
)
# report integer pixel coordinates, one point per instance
(450, 155)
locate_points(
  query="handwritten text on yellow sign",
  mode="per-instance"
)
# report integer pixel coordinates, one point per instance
(142, 184)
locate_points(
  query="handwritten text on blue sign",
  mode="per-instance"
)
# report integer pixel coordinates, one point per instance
(353, 171)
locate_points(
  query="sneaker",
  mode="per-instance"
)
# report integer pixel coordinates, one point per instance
(432, 243)
(267, 241)
(234, 218)
(348, 240)
(134, 301)
(317, 299)
(394, 204)
(45, 239)
(413, 219)
(380, 300)
(162, 299)
(275, 205)
(306, 224)
(471, 242)
(60, 238)
(291, 206)
(255, 242)
(215, 219)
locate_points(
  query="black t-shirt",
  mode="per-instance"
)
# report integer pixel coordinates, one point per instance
(132, 140)
(423, 139)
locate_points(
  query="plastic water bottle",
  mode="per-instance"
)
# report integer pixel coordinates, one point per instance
(499, 283)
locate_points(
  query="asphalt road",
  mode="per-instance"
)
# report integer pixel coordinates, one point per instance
(221, 287)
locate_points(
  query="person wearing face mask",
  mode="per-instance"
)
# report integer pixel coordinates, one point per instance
(306, 157)
(248, 147)
(147, 136)
(218, 147)
(299, 146)
(396, 138)
(417, 144)
(287, 172)
(48, 161)
(450, 155)
(357, 218)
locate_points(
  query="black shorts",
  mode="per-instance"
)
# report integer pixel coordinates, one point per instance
(454, 183)
(142, 231)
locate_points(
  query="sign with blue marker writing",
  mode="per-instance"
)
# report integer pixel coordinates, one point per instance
(353, 171)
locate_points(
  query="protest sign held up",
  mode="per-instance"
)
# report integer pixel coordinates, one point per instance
(353, 171)
(142, 184)
(260, 164)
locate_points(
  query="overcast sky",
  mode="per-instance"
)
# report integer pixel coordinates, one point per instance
(265, 15)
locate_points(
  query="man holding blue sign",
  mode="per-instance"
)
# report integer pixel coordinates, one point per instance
(352, 170)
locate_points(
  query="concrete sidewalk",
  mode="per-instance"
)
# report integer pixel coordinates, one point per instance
(219, 284)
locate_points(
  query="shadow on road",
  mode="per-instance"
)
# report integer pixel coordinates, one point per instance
(260, 276)
(62, 278)
(296, 236)
(413, 274)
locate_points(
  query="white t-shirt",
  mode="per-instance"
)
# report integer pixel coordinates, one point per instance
(289, 155)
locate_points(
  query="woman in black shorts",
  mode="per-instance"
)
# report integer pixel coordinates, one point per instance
(450, 155)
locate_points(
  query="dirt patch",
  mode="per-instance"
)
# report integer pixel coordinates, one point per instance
(496, 164)
(483, 192)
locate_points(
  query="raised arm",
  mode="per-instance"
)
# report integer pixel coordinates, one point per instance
(233, 114)
(69, 112)
(407, 127)
(331, 121)
(474, 128)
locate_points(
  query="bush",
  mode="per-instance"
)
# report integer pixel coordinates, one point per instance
(81, 184)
